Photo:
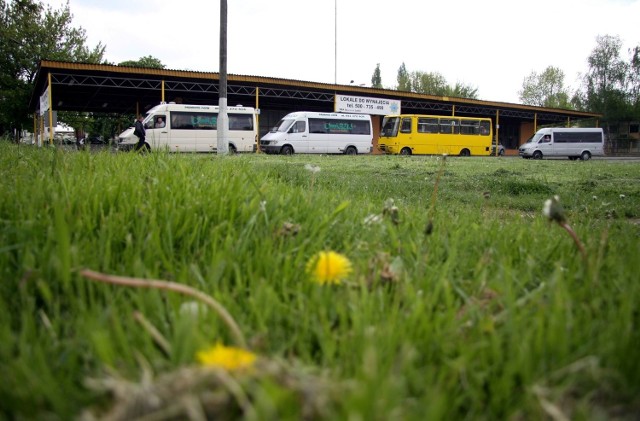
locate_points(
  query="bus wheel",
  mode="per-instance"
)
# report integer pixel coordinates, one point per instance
(351, 151)
(405, 151)
(537, 155)
(232, 149)
(465, 152)
(286, 150)
(585, 156)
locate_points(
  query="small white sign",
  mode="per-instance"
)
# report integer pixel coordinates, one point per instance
(366, 105)
(44, 101)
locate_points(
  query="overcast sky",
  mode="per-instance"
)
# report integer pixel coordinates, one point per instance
(491, 45)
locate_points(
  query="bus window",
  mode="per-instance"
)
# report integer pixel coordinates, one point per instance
(469, 127)
(427, 125)
(455, 126)
(406, 125)
(449, 125)
(390, 126)
(485, 128)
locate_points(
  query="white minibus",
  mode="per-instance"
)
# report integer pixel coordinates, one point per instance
(193, 128)
(572, 142)
(317, 132)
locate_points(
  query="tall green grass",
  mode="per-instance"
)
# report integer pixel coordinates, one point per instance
(492, 314)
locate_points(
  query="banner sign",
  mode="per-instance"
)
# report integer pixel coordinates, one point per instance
(44, 101)
(366, 105)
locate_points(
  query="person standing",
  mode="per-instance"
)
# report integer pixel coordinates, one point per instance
(139, 132)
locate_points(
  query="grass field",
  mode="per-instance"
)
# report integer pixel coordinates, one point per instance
(359, 288)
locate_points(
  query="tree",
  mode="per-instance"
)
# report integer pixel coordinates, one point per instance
(29, 32)
(147, 61)
(545, 89)
(605, 81)
(432, 83)
(404, 81)
(376, 79)
(634, 80)
(460, 90)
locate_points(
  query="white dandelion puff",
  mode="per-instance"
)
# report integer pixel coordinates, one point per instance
(312, 168)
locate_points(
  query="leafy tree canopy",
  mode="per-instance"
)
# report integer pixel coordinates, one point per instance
(147, 61)
(545, 89)
(30, 32)
(432, 83)
(605, 83)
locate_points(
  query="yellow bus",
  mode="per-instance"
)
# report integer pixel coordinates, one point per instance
(435, 135)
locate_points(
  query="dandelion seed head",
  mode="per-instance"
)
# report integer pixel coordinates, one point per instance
(312, 168)
(328, 267)
(553, 210)
(372, 219)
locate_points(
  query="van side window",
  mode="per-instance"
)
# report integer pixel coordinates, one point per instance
(159, 121)
(298, 127)
(240, 122)
(545, 139)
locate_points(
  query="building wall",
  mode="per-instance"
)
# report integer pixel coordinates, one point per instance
(527, 129)
(376, 122)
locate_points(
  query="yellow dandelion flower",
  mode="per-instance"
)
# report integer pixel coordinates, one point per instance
(328, 267)
(226, 357)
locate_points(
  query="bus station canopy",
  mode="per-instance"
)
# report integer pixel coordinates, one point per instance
(112, 89)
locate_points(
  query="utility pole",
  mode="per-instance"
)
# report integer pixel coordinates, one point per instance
(335, 40)
(223, 118)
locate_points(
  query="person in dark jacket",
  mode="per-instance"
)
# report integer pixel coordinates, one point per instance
(139, 132)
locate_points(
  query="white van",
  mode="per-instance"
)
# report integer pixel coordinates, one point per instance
(574, 143)
(314, 132)
(193, 128)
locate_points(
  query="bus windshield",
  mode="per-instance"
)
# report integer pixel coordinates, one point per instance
(390, 126)
(282, 126)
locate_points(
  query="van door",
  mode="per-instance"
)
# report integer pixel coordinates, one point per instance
(545, 145)
(182, 131)
(298, 137)
(157, 132)
(318, 137)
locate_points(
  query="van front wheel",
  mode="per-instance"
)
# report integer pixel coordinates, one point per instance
(286, 150)
(537, 155)
(405, 151)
